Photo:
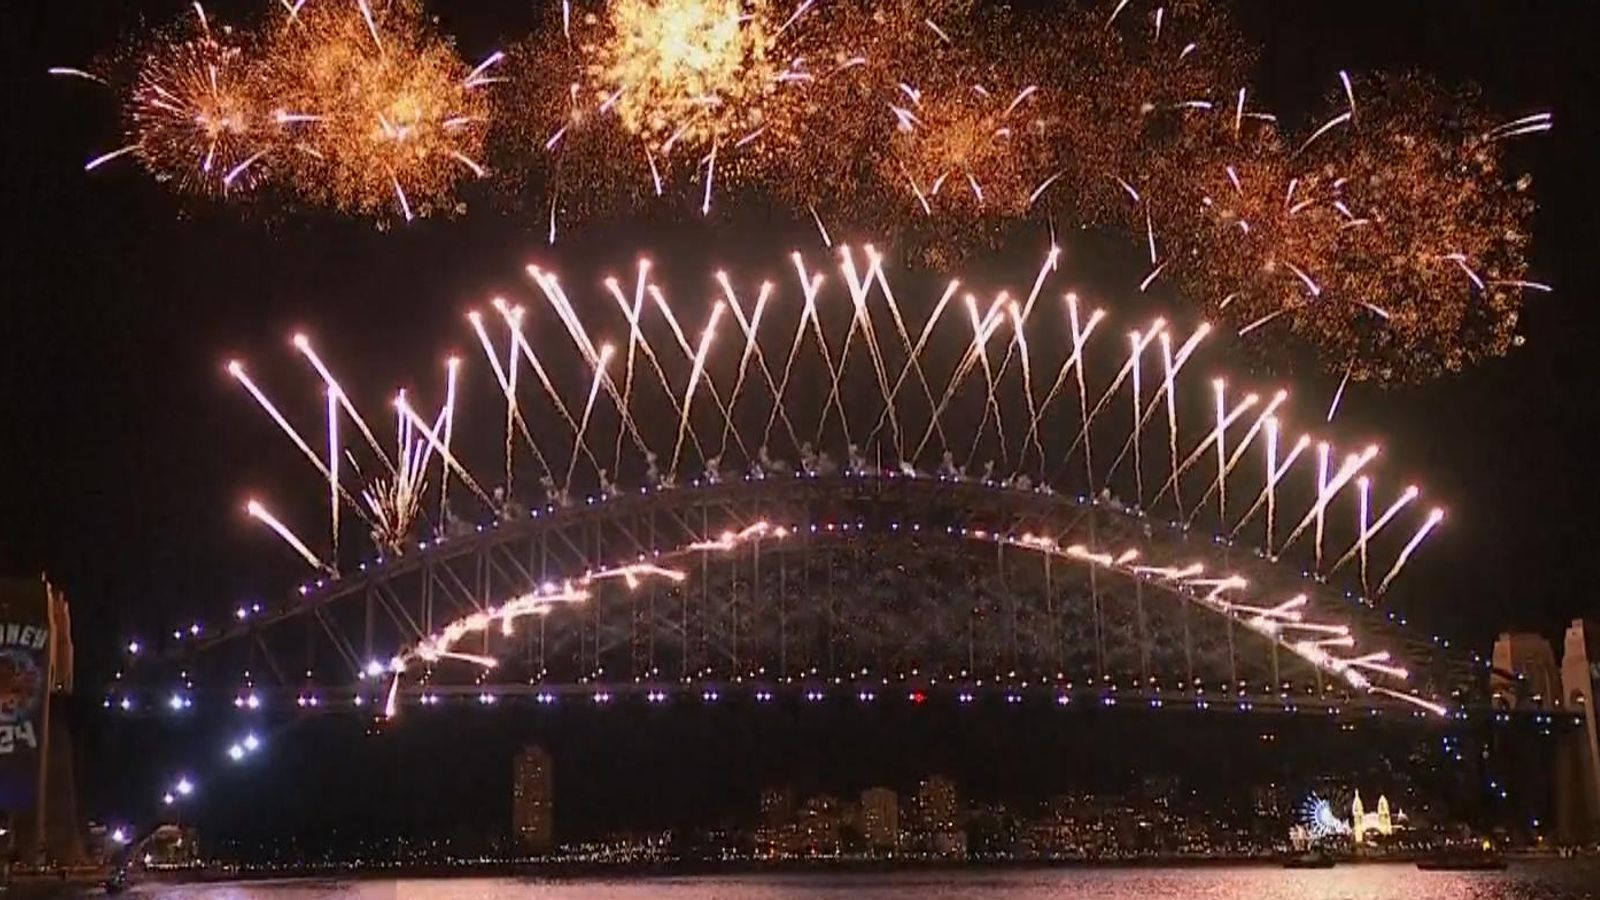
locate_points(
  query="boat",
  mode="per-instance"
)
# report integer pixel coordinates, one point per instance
(1311, 859)
(1463, 859)
(116, 882)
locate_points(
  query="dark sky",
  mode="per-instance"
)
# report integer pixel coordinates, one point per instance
(125, 452)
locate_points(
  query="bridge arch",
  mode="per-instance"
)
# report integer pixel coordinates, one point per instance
(789, 580)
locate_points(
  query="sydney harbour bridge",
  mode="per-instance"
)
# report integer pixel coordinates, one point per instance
(1021, 505)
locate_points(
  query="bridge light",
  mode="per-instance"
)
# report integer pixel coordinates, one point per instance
(236, 753)
(119, 836)
(133, 648)
(185, 787)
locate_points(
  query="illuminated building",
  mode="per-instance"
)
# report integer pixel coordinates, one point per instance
(880, 818)
(532, 816)
(777, 807)
(936, 805)
(936, 818)
(1380, 821)
(817, 827)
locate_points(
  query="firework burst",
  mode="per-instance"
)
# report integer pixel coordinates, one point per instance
(380, 114)
(195, 117)
(709, 94)
(1388, 237)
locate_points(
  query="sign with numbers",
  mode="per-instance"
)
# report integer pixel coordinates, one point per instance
(25, 658)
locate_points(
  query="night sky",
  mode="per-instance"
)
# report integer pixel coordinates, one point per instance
(126, 452)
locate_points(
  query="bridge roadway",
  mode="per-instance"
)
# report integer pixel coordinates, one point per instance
(1067, 697)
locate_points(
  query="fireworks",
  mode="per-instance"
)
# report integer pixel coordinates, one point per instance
(874, 423)
(361, 108)
(1387, 237)
(756, 384)
(969, 147)
(195, 117)
(380, 113)
(695, 72)
(651, 98)
(1385, 233)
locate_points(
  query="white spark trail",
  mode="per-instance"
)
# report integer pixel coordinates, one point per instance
(1433, 520)
(260, 513)
(695, 373)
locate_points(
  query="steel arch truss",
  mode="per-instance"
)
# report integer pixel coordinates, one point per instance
(794, 581)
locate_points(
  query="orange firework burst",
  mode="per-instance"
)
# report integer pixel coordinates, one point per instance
(195, 117)
(711, 93)
(1131, 78)
(1388, 237)
(689, 72)
(1436, 235)
(381, 114)
(970, 147)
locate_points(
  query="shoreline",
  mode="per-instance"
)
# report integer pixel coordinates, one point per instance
(579, 871)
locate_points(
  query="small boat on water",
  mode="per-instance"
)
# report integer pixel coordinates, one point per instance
(1463, 859)
(1311, 859)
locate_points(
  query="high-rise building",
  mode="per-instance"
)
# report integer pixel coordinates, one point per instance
(532, 814)
(937, 805)
(777, 807)
(880, 818)
(1525, 674)
(817, 827)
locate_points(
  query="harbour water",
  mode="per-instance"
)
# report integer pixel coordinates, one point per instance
(1574, 880)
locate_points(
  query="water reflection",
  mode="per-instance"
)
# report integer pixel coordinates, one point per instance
(1545, 881)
